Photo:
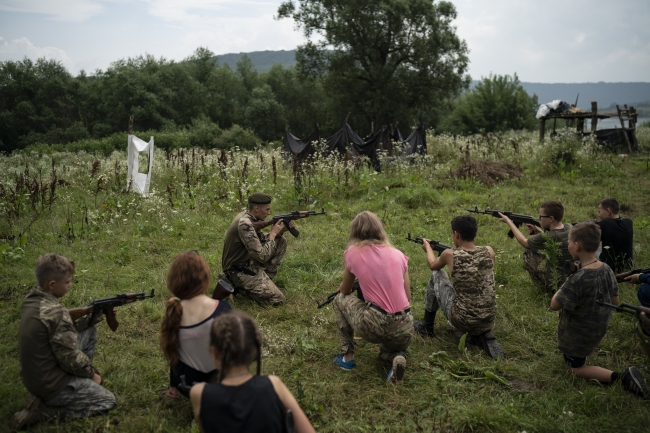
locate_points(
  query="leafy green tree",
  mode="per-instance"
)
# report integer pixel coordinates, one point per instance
(264, 114)
(496, 103)
(39, 102)
(381, 60)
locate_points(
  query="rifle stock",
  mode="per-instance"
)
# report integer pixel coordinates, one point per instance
(437, 246)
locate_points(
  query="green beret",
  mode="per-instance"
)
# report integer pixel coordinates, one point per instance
(259, 198)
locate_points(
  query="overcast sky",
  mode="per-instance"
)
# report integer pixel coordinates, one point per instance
(552, 42)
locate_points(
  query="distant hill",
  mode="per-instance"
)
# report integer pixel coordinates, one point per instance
(607, 94)
(263, 60)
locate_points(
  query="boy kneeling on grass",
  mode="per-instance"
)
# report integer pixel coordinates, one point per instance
(583, 322)
(55, 353)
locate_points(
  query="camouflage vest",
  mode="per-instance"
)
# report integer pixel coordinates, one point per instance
(475, 306)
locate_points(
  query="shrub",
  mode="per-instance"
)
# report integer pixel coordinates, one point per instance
(237, 136)
(419, 198)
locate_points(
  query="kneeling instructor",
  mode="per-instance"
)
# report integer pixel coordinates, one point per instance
(251, 258)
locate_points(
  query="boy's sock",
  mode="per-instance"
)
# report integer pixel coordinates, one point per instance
(616, 376)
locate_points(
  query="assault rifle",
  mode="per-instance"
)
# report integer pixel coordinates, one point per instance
(437, 246)
(330, 298)
(295, 215)
(516, 218)
(632, 310)
(621, 277)
(222, 290)
(106, 305)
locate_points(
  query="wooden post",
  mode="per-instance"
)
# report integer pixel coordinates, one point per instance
(594, 116)
(372, 127)
(580, 126)
(542, 129)
(131, 124)
(621, 114)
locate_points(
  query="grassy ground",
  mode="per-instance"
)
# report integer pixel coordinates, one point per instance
(124, 243)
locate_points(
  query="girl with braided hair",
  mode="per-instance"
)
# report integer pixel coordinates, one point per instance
(185, 329)
(240, 401)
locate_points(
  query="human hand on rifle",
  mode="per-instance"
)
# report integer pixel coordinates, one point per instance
(532, 229)
(286, 227)
(634, 279)
(426, 245)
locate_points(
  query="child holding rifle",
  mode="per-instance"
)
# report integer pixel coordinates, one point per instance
(583, 322)
(384, 317)
(470, 302)
(240, 401)
(56, 353)
(617, 236)
(185, 329)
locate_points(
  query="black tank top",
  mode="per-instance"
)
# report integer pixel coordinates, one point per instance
(250, 407)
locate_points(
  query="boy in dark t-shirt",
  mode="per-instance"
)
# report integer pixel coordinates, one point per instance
(583, 323)
(617, 235)
(536, 263)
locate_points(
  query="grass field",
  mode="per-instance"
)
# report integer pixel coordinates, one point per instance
(122, 242)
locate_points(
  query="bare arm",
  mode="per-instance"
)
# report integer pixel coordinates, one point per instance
(195, 398)
(407, 285)
(523, 241)
(555, 305)
(300, 420)
(615, 300)
(443, 259)
(346, 284)
(492, 255)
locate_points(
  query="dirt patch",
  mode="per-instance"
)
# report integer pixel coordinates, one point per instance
(488, 172)
(521, 386)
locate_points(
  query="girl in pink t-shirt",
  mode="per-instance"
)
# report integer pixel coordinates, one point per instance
(383, 316)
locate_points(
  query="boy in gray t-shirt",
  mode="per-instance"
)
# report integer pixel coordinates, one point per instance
(583, 323)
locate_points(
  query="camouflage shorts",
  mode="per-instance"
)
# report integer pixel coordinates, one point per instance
(82, 397)
(392, 331)
(260, 287)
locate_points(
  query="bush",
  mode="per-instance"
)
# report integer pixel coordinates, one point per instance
(204, 133)
(561, 152)
(237, 136)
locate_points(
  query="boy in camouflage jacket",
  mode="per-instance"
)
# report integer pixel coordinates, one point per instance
(55, 353)
(583, 323)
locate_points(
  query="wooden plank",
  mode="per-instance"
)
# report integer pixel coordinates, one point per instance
(594, 116)
(542, 128)
(627, 139)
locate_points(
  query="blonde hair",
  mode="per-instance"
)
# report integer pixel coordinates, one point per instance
(367, 229)
(52, 267)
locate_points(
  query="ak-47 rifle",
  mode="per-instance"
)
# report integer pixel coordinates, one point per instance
(632, 310)
(621, 277)
(355, 288)
(437, 246)
(222, 290)
(517, 219)
(259, 225)
(106, 305)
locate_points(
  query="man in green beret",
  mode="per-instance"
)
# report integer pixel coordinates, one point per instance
(251, 258)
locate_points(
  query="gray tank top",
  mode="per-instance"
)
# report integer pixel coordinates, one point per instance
(194, 347)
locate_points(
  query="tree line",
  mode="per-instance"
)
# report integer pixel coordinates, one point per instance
(377, 63)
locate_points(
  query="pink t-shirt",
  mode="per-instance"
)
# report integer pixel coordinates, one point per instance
(380, 270)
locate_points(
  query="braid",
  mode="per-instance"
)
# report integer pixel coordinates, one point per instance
(237, 340)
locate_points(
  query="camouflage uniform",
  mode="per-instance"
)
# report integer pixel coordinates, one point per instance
(469, 304)
(392, 331)
(583, 323)
(535, 262)
(254, 250)
(56, 358)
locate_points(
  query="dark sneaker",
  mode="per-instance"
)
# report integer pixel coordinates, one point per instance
(34, 411)
(423, 329)
(488, 343)
(633, 382)
(345, 365)
(396, 373)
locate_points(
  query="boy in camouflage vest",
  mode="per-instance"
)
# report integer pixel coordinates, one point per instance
(583, 322)
(470, 303)
(251, 258)
(55, 353)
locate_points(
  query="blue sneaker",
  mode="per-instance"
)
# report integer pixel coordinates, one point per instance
(396, 373)
(345, 365)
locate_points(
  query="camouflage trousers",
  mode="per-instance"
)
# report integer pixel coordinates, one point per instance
(535, 265)
(393, 332)
(261, 287)
(440, 294)
(82, 397)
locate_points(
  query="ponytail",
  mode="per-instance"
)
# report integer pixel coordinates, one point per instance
(169, 328)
